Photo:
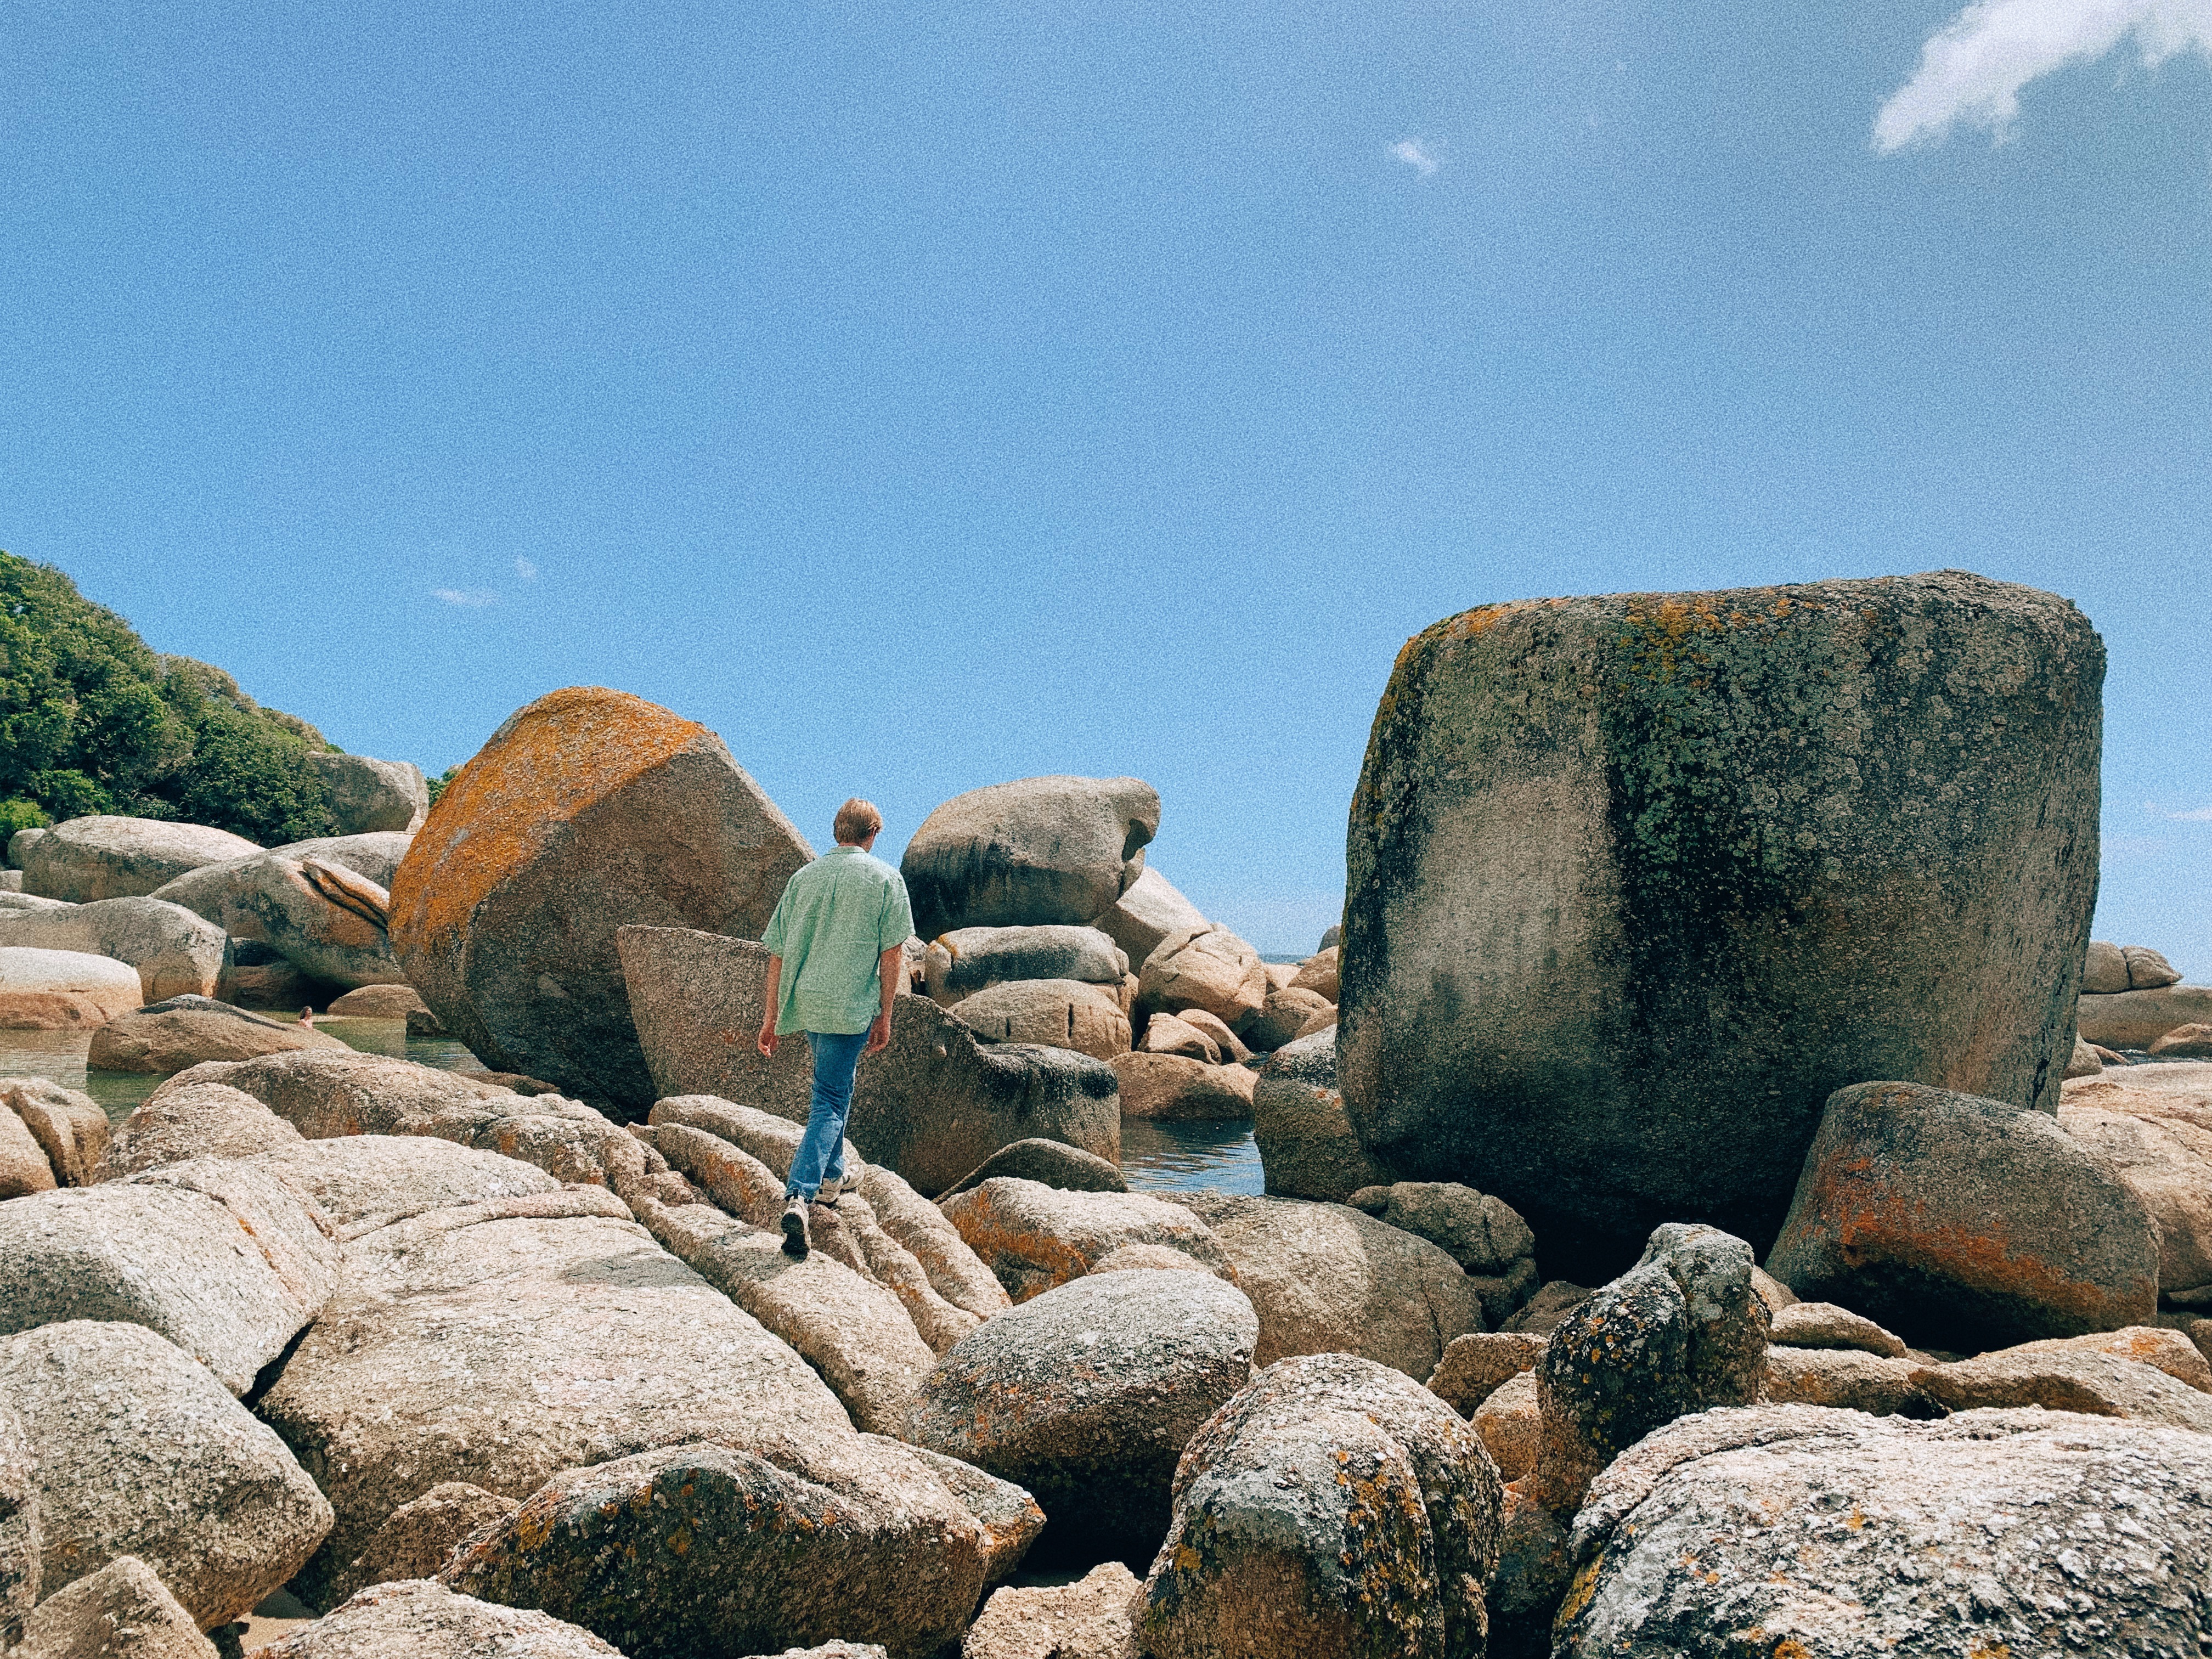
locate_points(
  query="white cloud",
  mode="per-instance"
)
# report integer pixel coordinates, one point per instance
(474, 597)
(1415, 154)
(526, 570)
(2187, 815)
(1973, 69)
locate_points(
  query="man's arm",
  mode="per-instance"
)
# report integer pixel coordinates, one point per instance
(890, 967)
(766, 1041)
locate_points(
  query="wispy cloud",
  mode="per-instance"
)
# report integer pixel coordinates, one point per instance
(1415, 154)
(526, 570)
(1972, 69)
(2186, 815)
(474, 597)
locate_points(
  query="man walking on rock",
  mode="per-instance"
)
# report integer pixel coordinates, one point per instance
(836, 947)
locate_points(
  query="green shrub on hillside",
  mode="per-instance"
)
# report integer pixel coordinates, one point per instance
(91, 720)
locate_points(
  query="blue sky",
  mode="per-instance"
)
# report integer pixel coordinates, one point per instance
(929, 395)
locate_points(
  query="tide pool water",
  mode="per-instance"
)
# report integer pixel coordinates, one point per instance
(1170, 1158)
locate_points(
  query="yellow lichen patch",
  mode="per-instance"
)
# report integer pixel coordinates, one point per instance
(564, 753)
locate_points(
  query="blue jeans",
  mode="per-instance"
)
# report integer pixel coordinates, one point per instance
(821, 1152)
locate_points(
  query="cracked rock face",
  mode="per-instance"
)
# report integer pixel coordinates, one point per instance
(1818, 1533)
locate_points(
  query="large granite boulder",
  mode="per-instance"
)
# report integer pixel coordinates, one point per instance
(587, 810)
(1034, 1236)
(1288, 1013)
(499, 1343)
(1834, 1534)
(1635, 883)
(88, 859)
(64, 990)
(1299, 1122)
(319, 912)
(1087, 1396)
(1055, 849)
(367, 795)
(2154, 1125)
(932, 1106)
(856, 1541)
(165, 1037)
(207, 1120)
(140, 1452)
(219, 1257)
(966, 960)
(1059, 1013)
(1149, 909)
(176, 952)
(2136, 1020)
(414, 1618)
(1680, 1331)
(1332, 1507)
(2060, 1376)
(1961, 1222)
(1326, 1279)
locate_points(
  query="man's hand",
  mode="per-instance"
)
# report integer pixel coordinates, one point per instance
(766, 1041)
(879, 1035)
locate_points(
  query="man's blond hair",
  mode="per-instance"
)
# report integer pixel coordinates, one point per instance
(857, 820)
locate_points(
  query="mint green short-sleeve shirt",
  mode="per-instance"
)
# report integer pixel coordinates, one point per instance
(837, 917)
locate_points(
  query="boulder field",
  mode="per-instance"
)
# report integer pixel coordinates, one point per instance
(1818, 1291)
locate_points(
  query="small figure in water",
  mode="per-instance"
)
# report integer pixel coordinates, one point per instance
(306, 1016)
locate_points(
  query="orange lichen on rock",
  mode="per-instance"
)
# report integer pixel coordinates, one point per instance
(551, 761)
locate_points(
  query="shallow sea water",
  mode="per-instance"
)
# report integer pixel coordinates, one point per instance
(60, 1056)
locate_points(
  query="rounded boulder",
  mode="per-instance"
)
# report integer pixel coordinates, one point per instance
(62, 990)
(102, 857)
(1332, 1507)
(1087, 1396)
(1051, 849)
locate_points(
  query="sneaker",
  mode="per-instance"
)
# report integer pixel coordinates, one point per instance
(795, 1241)
(829, 1192)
